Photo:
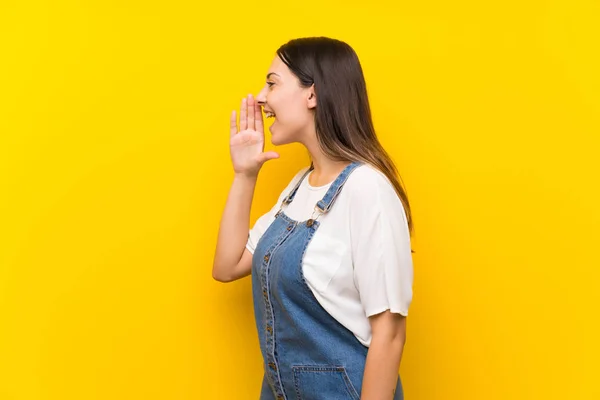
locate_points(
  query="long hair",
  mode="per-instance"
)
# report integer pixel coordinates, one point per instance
(343, 121)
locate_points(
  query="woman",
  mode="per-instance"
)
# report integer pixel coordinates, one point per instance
(331, 268)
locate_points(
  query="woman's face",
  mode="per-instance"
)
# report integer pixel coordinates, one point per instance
(291, 104)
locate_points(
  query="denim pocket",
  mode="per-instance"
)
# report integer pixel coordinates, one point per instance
(323, 382)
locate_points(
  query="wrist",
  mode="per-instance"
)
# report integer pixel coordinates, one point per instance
(245, 176)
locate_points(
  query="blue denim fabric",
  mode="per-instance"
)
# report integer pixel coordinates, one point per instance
(308, 355)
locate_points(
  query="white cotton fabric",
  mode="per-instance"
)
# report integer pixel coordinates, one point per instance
(359, 260)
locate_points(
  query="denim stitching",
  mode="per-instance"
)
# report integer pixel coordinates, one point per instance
(270, 313)
(321, 368)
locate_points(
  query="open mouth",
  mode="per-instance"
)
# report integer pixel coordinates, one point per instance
(269, 115)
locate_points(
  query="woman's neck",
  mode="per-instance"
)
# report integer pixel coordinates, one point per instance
(325, 169)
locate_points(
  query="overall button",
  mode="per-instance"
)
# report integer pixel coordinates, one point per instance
(310, 222)
(269, 329)
(265, 293)
(280, 397)
(273, 366)
(289, 228)
(267, 257)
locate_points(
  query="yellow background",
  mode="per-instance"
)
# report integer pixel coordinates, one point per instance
(114, 166)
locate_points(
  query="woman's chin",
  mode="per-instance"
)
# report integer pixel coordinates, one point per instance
(273, 139)
(278, 138)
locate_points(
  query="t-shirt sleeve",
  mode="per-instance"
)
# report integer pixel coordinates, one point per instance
(381, 248)
(260, 226)
(262, 223)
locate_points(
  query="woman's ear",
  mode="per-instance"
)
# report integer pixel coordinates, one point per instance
(312, 97)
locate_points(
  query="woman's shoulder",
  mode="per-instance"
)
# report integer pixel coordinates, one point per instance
(368, 180)
(369, 187)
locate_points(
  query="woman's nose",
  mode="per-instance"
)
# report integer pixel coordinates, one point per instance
(261, 98)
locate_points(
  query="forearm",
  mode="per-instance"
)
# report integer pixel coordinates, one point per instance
(234, 225)
(381, 369)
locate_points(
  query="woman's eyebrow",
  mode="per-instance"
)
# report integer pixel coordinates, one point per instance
(271, 73)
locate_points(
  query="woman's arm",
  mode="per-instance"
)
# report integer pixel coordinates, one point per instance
(232, 260)
(384, 356)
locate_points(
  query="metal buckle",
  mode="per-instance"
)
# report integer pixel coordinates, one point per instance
(313, 219)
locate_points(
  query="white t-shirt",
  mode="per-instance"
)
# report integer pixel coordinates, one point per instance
(359, 261)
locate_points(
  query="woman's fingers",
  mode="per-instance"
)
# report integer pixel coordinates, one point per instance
(269, 155)
(243, 116)
(232, 125)
(250, 112)
(258, 120)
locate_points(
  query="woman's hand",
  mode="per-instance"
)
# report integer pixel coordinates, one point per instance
(246, 146)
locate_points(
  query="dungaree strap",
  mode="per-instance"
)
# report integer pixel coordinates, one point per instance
(292, 194)
(327, 201)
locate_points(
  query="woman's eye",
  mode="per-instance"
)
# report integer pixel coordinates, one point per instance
(270, 83)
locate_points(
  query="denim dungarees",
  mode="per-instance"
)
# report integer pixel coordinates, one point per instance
(308, 355)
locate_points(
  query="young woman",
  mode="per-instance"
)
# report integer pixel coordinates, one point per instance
(331, 262)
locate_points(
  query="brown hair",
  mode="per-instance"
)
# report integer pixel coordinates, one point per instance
(343, 121)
